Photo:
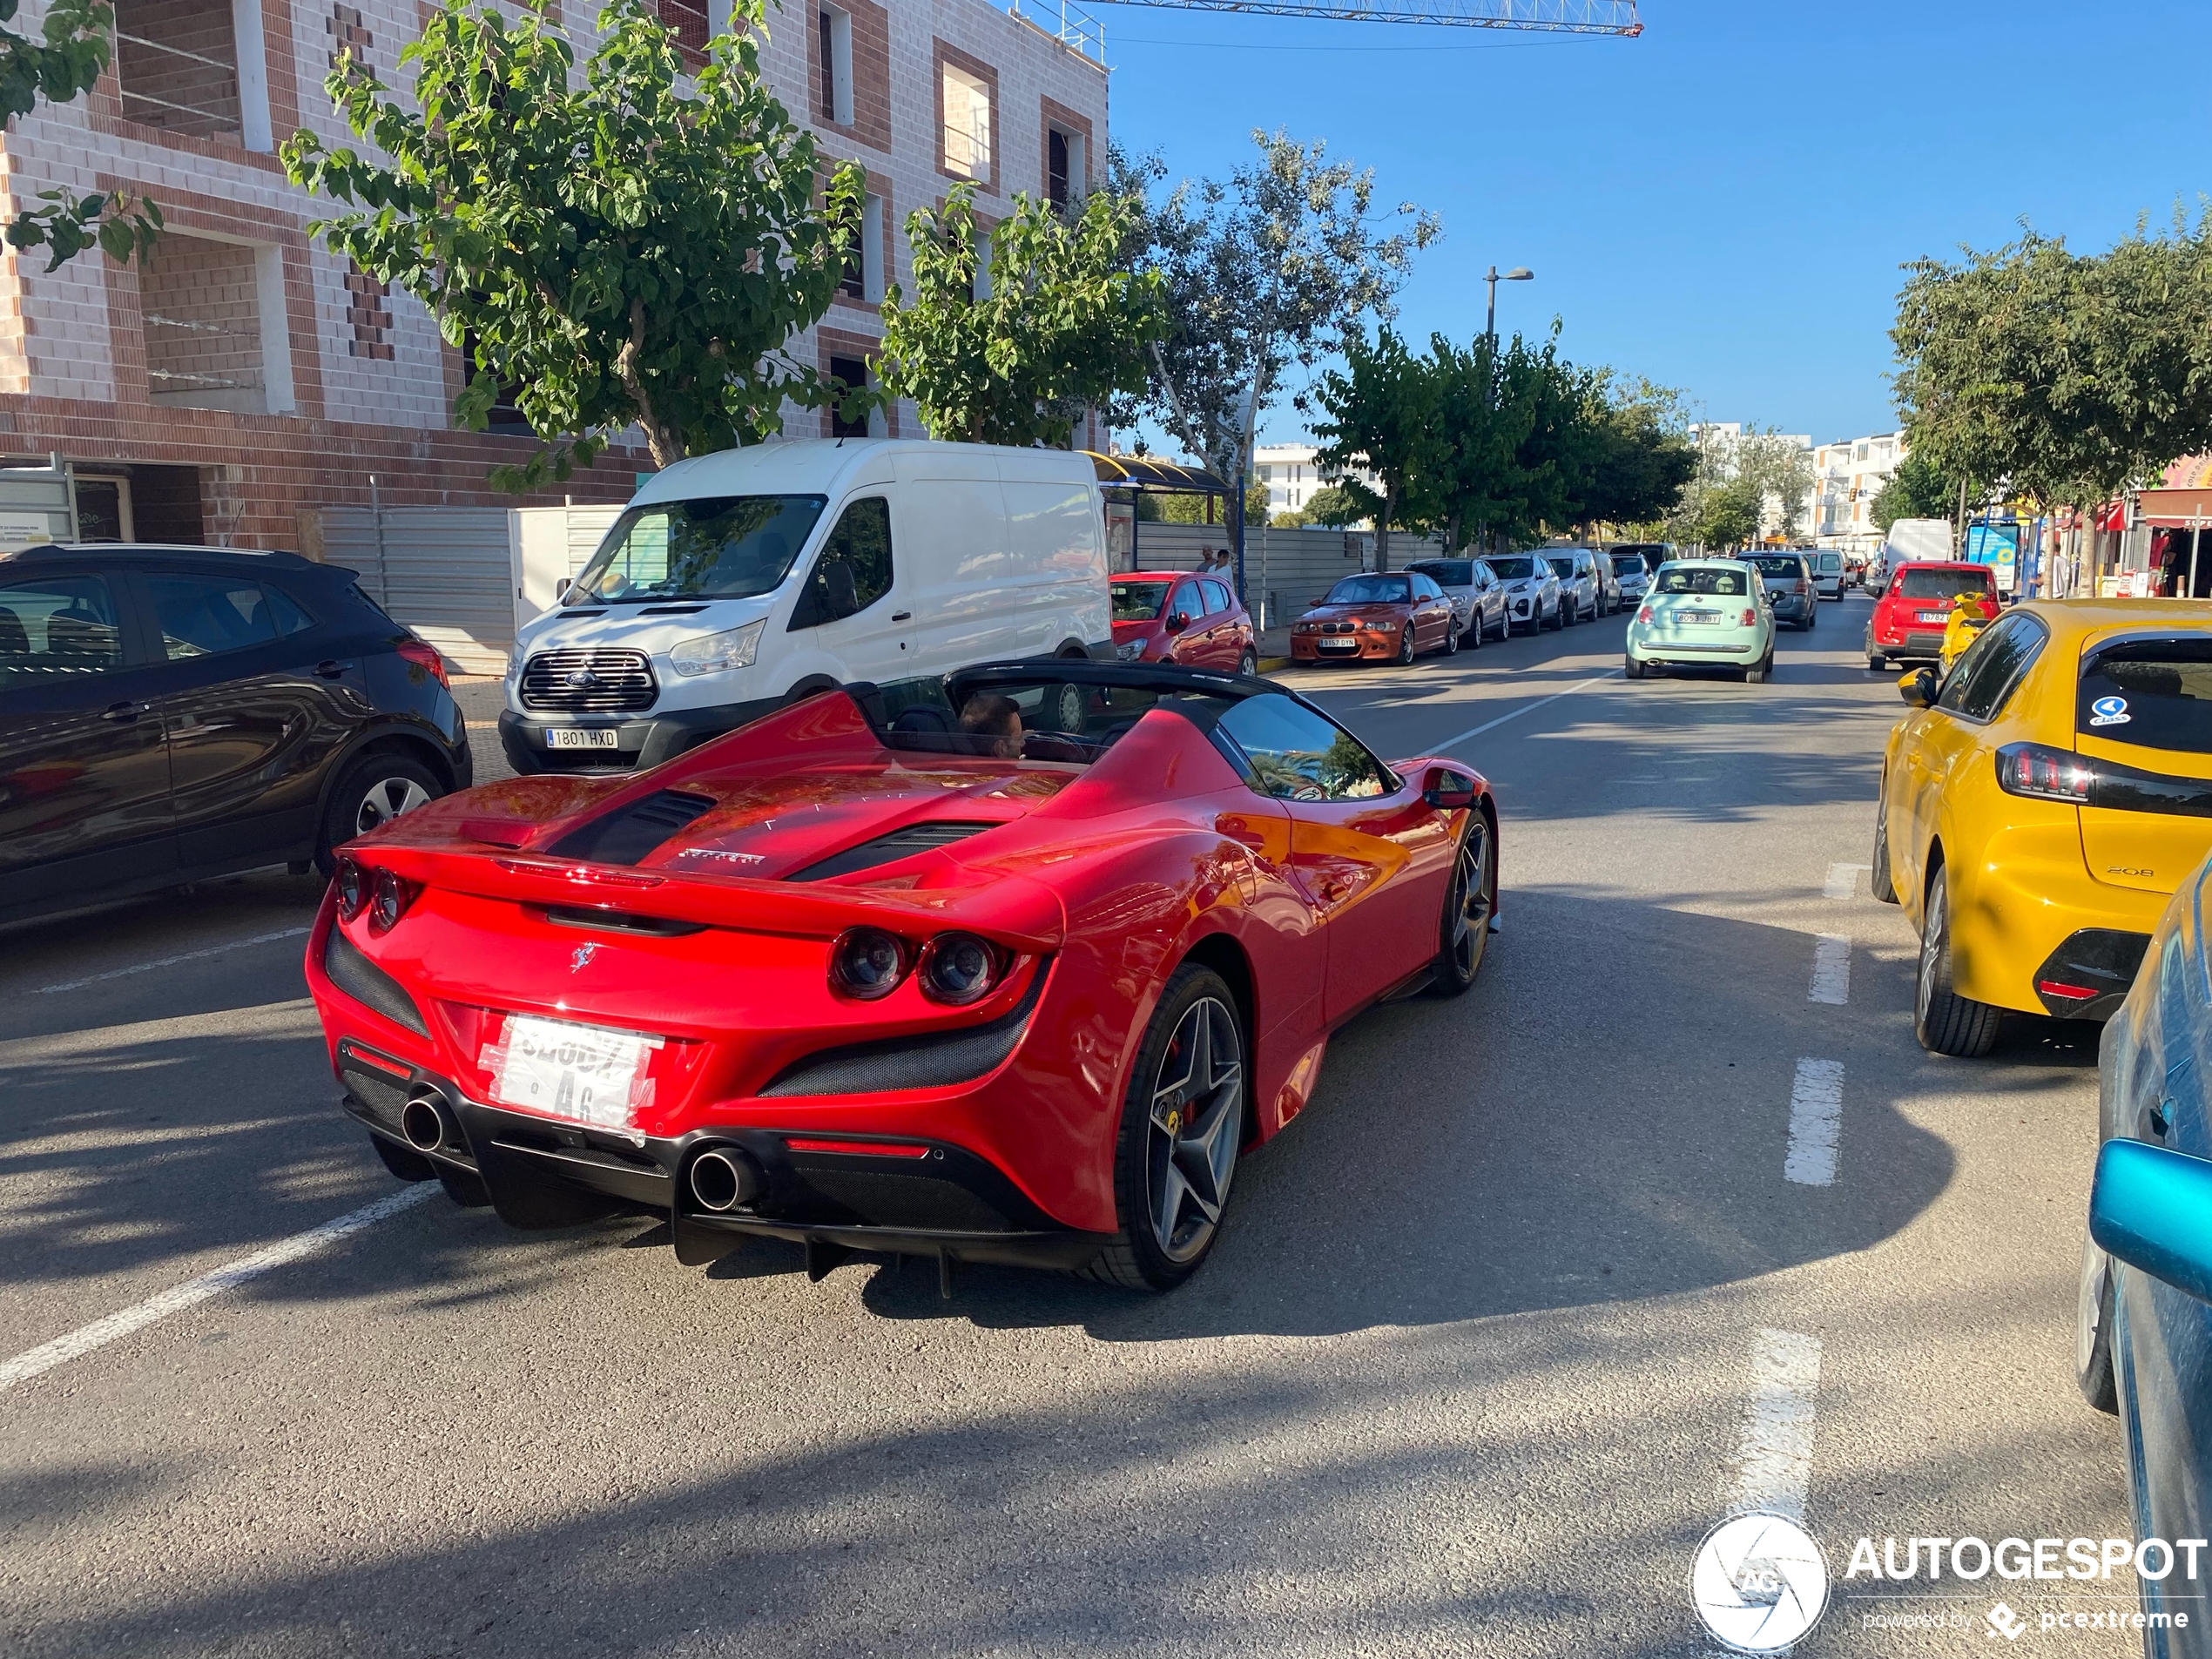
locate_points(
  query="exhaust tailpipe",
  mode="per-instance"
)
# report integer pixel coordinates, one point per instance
(423, 1120)
(724, 1177)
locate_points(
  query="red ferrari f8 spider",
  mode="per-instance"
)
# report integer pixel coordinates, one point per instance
(1011, 976)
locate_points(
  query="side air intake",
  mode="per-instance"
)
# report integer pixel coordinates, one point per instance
(369, 985)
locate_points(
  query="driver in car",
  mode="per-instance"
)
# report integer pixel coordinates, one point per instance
(994, 724)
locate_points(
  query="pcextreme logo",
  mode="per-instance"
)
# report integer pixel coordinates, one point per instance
(1759, 1582)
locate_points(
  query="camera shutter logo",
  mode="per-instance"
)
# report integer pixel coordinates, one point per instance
(1759, 1582)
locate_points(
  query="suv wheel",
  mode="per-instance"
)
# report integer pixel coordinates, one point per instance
(373, 791)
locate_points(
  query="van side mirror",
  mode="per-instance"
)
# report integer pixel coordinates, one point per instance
(1918, 688)
(560, 593)
(844, 596)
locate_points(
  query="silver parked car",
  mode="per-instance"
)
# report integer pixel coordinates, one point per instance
(1788, 578)
(1632, 573)
(1531, 590)
(1581, 589)
(1478, 596)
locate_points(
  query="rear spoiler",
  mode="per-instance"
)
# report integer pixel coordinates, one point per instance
(1010, 910)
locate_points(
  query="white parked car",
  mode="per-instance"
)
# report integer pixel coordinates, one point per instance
(1633, 573)
(739, 582)
(1531, 590)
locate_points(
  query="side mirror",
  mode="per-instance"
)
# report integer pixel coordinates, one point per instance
(1918, 688)
(843, 596)
(1176, 623)
(560, 593)
(1446, 790)
(2148, 1208)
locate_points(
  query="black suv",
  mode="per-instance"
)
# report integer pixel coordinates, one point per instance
(170, 714)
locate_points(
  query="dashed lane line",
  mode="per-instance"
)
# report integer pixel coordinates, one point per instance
(1774, 1456)
(1830, 970)
(1816, 1121)
(1526, 708)
(193, 1291)
(1843, 879)
(170, 961)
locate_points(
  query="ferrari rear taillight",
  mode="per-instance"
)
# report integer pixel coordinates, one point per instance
(388, 898)
(425, 655)
(2044, 774)
(961, 968)
(351, 884)
(866, 963)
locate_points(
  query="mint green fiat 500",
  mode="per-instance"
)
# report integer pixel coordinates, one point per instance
(1704, 613)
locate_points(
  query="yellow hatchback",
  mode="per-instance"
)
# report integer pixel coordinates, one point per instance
(2041, 805)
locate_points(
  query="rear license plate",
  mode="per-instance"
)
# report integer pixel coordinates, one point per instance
(584, 1072)
(581, 737)
(1697, 615)
(1931, 616)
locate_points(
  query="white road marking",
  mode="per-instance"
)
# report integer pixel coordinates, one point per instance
(170, 961)
(1830, 970)
(1843, 879)
(1526, 708)
(1774, 1458)
(191, 1292)
(1816, 1118)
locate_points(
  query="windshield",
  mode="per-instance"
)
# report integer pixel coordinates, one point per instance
(1675, 579)
(2156, 693)
(1514, 569)
(1138, 601)
(1042, 719)
(717, 546)
(1943, 585)
(1372, 590)
(1565, 566)
(1829, 561)
(1626, 564)
(1450, 573)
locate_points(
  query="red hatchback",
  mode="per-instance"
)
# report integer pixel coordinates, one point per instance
(1191, 620)
(1910, 616)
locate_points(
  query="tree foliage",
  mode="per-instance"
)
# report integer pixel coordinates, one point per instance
(615, 252)
(74, 42)
(2062, 378)
(1271, 270)
(1333, 507)
(1061, 321)
(1381, 411)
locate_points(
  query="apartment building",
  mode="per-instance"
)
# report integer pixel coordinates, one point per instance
(1291, 476)
(1846, 477)
(244, 381)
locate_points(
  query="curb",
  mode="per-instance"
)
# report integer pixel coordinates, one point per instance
(1269, 664)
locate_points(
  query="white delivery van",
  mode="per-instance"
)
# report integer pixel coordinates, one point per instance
(736, 582)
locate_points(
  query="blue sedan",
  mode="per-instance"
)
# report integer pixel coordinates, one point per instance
(2144, 1328)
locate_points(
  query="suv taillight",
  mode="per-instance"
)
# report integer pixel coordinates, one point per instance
(424, 655)
(2044, 774)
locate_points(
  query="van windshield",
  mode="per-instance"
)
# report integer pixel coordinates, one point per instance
(717, 546)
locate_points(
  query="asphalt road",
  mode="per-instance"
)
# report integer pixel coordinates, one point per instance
(1523, 1306)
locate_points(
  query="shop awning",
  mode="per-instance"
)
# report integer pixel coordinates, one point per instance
(2174, 509)
(1146, 472)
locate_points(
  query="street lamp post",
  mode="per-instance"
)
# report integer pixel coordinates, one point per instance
(1519, 273)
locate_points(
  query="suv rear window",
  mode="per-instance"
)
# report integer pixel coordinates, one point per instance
(1944, 585)
(2155, 693)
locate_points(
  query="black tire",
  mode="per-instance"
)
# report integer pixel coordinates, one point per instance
(403, 1161)
(1473, 639)
(1880, 878)
(1405, 646)
(2093, 1312)
(1167, 1225)
(1248, 664)
(1452, 638)
(1631, 669)
(1556, 623)
(1470, 900)
(373, 790)
(1946, 1022)
(1876, 662)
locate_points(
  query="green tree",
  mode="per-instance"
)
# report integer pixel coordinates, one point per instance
(618, 251)
(1381, 410)
(1271, 270)
(76, 40)
(1726, 516)
(1060, 323)
(1643, 457)
(1161, 508)
(1334, 507)
(1916, 490)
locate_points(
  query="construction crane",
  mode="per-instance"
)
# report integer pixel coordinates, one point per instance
(1552, 16)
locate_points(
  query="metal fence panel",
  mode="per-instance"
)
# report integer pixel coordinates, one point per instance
(446, 572)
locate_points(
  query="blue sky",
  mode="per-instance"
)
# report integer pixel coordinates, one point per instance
(1723, 204)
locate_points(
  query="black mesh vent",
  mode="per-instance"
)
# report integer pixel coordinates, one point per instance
(629, 833)
(889, 849)
(369, 985)
(910, 1062)
(380, 1096)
